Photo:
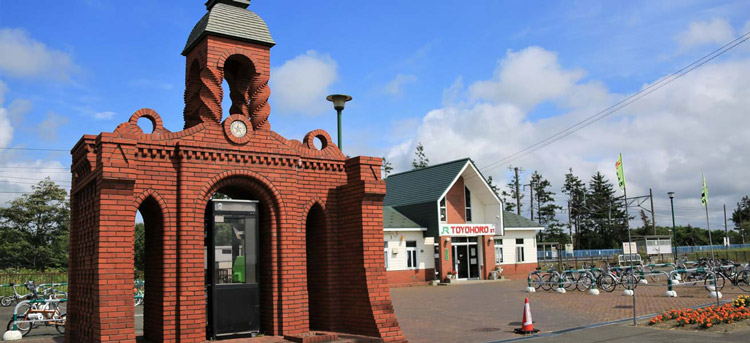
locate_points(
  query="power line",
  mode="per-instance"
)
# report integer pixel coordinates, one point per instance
(11, 178)
(34, 167)
(622, 103)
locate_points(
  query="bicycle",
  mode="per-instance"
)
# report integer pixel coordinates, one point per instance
(49, 313)
(609, 280)
(138, 292)
(16, 297)
(741, 278)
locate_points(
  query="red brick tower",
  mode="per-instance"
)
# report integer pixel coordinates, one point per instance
(320, 214)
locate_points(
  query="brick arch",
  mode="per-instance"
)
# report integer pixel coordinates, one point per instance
(236, 51)
(157, 273)
(271, 267)
(308, 206)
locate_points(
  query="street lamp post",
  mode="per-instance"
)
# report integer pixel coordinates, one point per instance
(674, 229)
(338, 101)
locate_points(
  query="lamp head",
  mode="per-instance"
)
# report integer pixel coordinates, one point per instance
(338, 100)
(671, 195)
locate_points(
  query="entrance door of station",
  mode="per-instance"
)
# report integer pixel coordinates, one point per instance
(466, 257)
(231, 242)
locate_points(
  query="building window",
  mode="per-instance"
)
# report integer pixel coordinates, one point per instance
(411, 254)
(385, 250)
(498, 251)
(520, 257)
(467, 201)
(443, 211)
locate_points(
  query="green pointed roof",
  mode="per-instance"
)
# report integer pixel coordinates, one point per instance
(421, 185)
(512, 220)
(394, 219)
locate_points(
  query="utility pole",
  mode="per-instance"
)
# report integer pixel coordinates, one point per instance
(742, 232)
(726, 230)
(518, 193)
(570, 226)
(531, 201)
(653, 221)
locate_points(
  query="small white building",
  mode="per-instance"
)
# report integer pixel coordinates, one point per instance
(445, 219)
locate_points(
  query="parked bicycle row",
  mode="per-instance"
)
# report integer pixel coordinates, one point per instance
(708, 273)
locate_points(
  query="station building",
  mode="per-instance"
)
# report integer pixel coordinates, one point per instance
(445, 219)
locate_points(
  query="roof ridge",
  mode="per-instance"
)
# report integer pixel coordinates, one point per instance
(429, 167)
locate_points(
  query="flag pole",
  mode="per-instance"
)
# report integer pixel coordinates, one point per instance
(710, 240)
(630, 249)
(621, 181)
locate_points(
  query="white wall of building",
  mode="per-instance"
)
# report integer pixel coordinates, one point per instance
(396, 250)
(509, 245)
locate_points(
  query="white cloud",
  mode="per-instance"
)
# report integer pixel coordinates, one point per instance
(48, 127)
(18, 109)
(715, 31)
(106, 115)
(696, 125)
(302, 83)
(526, 78)
(395, 87)
(25, 57)
(6, 130)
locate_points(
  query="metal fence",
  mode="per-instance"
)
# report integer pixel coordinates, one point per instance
(38, 278)
(550, 255)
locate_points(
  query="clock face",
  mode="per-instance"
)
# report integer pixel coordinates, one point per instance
(238, 128)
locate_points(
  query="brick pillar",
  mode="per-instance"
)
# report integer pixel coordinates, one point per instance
(365, 301)
(446, 257)
(488, 260)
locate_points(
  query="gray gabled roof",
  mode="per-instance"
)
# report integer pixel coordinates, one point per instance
(421, 185)
(394, 219)
(230, 21)
(512, 220)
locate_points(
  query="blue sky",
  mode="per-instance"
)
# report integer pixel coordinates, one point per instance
(481, 79)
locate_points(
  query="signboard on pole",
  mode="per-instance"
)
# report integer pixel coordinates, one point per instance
(629, 248)
(726, 241)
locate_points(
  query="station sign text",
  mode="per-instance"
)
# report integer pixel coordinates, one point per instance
(467, 229)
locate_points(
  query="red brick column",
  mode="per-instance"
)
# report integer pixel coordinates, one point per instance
(364, 297)
(446, 257)
(488, 260)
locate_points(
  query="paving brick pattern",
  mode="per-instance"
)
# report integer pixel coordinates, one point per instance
(487, 311)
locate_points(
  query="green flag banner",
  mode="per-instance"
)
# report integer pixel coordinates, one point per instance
(704, 195)
(620, 173)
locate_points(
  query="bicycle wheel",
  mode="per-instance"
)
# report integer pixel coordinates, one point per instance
(719, 283)
(584, 282)
(743, 280)
(607, 283)
(25, 328)
(547, 282)
(536, 281)
(60, 326)
(6, 301)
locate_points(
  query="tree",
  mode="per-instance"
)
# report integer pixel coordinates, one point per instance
(644, 218)
(139, 258)
(575, 189)
(741, 218)
(546, 210)
(604, 216)
(35, 228)
(493, 187)
(387, 167)
(421, 161)
(510, 197)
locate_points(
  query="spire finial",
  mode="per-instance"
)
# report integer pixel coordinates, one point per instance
(238, 3)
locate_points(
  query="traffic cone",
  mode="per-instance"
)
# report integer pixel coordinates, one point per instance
(527, 325)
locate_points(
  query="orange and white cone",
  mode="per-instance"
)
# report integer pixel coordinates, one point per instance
(527, 325)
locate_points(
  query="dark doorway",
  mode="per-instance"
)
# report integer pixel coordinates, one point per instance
(317, 268)
(148, 289)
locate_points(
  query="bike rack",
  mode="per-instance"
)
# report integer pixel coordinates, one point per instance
(712, 293)
(35, 301)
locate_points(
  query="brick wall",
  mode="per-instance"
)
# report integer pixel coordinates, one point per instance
(170, 177)
(518, 271)
(455, 203)
(412, 277)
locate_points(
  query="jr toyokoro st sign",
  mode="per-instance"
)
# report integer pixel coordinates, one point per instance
(467, 229)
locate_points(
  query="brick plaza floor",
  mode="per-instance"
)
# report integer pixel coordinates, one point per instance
(488, 311)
